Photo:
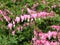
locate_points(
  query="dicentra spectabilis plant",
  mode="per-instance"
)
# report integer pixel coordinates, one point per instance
(30, 22)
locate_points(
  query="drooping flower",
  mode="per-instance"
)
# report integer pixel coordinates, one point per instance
(30, 11)
(14, 23)
(54, 34)
(55, 27)
(35, 5)
(43, 2)
(22, 18)
(53, 6)
(49, 34)
(1, 12)
(10, 25)
(34, 39)
(42, 14)
(43, 36)
(17, 19)
(7, 18)
(35, 33)
(43, 41)
(47, 43)
(37, 42)
(53, 43)
(59, 36)
(34, 15)
(51, 14)
(26, 17)
(19, 28)
(13, 32)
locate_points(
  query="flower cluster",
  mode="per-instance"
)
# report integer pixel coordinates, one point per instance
(3, 13)
(29, 17)
(32, 14)
(55, 27)
(41, 38)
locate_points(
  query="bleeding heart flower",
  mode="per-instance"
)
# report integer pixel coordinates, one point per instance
(38, 42)
(55, 27)
(22, 18)
(26, 16)
(13, 32)
(19, 28)
(42, 14)
(7, 18)
(10, 25)
(59, 36)
(34, 15)
(49, 34)
(17, 19)
(30, 11)
(54, 34)
(47, 43)
(43, 41)
(53, 43)
(34, 39)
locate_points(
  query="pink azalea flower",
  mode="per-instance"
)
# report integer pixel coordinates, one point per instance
(17, 19)
(10, 25)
